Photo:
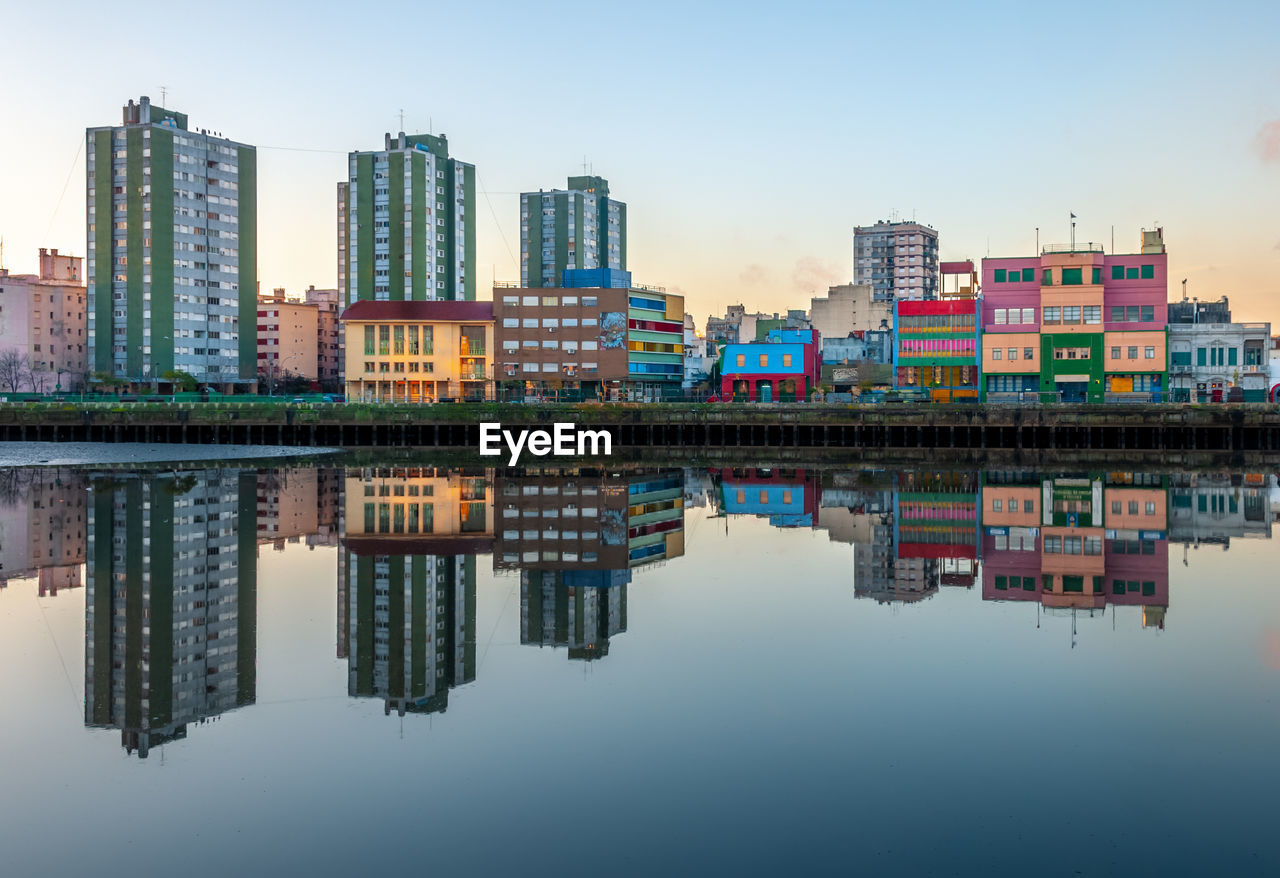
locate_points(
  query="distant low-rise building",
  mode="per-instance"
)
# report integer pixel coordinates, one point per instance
(1209, 354)
(42, 325)
(288, 339)
(847, 309)
(329, 340)
(418, 351)
(783, 368)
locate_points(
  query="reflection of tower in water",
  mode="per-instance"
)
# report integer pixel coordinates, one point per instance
(170, 603)
(578, 609)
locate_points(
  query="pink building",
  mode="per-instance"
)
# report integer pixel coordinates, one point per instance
(42, 321)
(1075, 324)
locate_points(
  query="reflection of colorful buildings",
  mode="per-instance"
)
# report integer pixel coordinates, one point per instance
(170, 602)
(588, 520)
(787, 497)
(926, 539)
(407, 589)
(1077, 542)
(575, 536)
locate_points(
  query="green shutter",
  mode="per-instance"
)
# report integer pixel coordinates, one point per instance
(1046, 280)
(1000, 275)
(1131, 272)
(1028, 275)
(1072, 276)
(1097, 276)
(1148, 272)
(1117, 272)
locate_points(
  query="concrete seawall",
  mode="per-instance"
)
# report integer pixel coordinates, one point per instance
(693, 428)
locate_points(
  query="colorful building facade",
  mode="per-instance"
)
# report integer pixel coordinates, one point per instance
(1077, 325)
(783, 368)
(936, 348)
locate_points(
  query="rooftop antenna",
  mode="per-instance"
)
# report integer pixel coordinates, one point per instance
(584, 166)
(1073, 231)
(164, 93)
(402, 118)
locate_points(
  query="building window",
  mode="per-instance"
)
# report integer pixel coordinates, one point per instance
(1001, 316)
(1148, 272)
(1028, 275)
(1046, 279)
(1148, 313)
(764, 360)
(1028, 353)
(1133, 352)
(995, 353)
(384, 341)
(1092, 313)
(1013, 353)
(1001, 275)
(1150, 353)
(742, 359)
(1028, 315)
(1097, 276)
(1053, 314)
(399, 341)
(996, 505)
(1117, 272)
(368, 341)
(1115, 353)
(786, 359)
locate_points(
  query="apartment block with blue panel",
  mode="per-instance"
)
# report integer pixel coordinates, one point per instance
(655, 341)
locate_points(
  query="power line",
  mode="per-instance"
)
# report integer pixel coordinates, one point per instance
(503, 234)
(65, 183)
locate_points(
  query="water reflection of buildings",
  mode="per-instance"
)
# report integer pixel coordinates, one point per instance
(575, 536)
(1211, 508)
(170, 602)
(407, 583)
(299, 504)
(42, 527)
(786, 497)
(1077, 542)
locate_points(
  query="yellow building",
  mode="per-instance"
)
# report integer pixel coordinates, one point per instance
(419, 510)
(419, 351)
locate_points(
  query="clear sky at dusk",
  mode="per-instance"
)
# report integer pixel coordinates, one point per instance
(746, 138)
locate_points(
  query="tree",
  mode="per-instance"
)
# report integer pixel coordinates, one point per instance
(15, 370)
(185, 381)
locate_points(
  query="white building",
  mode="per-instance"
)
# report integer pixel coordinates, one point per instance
(1207, 359)
(848, 308)
(172, 257)
(899, 260)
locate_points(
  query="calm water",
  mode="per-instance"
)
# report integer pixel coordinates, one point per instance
(555, 672)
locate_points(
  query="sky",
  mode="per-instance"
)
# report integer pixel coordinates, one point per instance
(747, 139)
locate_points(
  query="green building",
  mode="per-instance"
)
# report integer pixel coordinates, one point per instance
(406, 223)
(172, 251)
(577, 227)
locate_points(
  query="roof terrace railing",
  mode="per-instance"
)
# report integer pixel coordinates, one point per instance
(1078, 247)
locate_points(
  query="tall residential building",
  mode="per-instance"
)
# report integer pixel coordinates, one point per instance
(1076, 324)
(576, 227)
(406, 223)
(173, 265)
(42, 318)
(899, 260)
(170, 602)
(330, 346)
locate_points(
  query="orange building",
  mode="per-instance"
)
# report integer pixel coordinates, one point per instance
(288, 339)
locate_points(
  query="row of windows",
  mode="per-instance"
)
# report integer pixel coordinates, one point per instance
(1027, 505)
(551, 301)
(399, 366)
(1073, 276)
(1069, 314)
(1027, 353)
(1057, 545)
(547, 322)
(945, 347)
(764, 360)
(937, 322)
(510, 346)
